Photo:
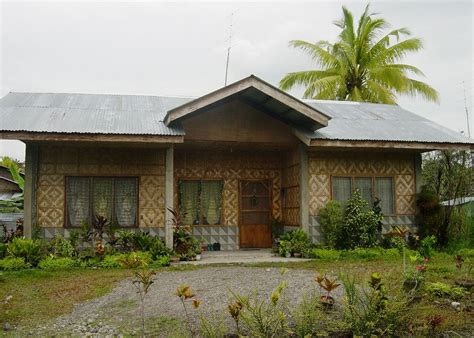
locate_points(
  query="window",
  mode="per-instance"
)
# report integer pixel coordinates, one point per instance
(200, 202)
(115, 198)
(370, 189)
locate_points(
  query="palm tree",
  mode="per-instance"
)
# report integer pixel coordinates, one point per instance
(361, 65)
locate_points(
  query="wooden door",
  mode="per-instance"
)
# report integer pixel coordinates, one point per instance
(255, 214)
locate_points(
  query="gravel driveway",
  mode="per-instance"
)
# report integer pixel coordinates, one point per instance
(118, 312)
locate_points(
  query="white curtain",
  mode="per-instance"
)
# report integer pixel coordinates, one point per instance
(77, 199)
(384, 191)
(189, 202)
(211, 200)
(102, 189)
(364, 184)
(125, 201)
(341, 189)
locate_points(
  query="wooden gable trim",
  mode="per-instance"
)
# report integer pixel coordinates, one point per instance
(239, 86)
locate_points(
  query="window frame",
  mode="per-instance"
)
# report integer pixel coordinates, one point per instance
(90, 178)
(201, 217)
(374, 192)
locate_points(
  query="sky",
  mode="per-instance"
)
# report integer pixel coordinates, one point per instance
(180, 48)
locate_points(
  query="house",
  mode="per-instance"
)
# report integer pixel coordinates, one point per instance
(232, 161)
(8, 187)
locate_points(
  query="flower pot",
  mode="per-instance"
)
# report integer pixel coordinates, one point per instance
(327, 301)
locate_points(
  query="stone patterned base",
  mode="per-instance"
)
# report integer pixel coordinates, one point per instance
(388, 222)
(227, 236)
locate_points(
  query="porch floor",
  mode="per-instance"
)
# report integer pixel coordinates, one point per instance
(241, 257)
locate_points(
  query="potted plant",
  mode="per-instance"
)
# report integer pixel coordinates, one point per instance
(284, 248)
(328, 285)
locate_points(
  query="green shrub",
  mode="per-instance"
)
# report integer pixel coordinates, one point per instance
(294, 241)
(158, 249)
(162, 261)
(31, 250)
(325, 254)
(142, 241)
(466, 253)
(440, 289)
(13, 264)
(136, 259)
(61, 247)
(3, 250)
(331, 218)
(431, 214)
(111, 261)
(56, 263)
(360, 225)
(426, 247)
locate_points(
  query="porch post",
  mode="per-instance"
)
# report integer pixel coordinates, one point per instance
(31, 170)
(304, 192)
(169, 193)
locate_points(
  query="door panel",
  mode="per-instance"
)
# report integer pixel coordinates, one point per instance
(255, 214)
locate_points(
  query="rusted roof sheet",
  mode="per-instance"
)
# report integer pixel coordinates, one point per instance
(355, 121)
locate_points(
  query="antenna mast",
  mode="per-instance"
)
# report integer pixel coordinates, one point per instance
(231, 24)
(467, 112)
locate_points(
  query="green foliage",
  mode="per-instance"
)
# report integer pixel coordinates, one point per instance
(142, 241)
(360, 225)
(159, 249)
(294, 241)
(309, 317)
(325, 254)
(136, 259)
(331, 218)
(57, 263)
(61, 247)
(430, 213)
(13, 264)
(376, 311)
(440, 289)
(111, 261)
(466, 253)
(31, 250)
(14, 204)
(362, 65)
(3, 250)
(125, 240)
(426, 247)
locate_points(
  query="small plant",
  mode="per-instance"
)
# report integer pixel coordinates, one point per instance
(434, 322)
(30, 250)
(459, 262)
(440, 289)
(135, 260)
(124, 240)
(184, 293)
(426, 247)
(235, 309)
(327, 285)
(143, 280)
(13, 264)
(61, 247)
(56, 263)
(142, 241)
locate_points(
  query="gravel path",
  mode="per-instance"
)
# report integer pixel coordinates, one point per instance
(118, 312)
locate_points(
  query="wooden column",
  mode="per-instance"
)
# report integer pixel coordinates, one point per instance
(31, 171)
(304, 189)
(169, 194)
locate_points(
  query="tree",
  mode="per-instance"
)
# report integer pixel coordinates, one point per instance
(362, 65)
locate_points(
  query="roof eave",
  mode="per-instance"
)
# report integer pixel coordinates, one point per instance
(408, 145)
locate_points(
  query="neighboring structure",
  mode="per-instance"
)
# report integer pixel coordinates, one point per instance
(233, 160)
(8, 187)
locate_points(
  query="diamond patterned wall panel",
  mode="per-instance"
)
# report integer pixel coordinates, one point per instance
(58, 162)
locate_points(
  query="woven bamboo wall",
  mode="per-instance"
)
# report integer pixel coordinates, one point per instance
(55, 163)
(401, 167)
(230, 167)
(290, 181)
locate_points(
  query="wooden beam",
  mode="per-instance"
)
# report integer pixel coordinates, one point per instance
(421, 146)
(169, 195)
(31, 171)
(35, 136)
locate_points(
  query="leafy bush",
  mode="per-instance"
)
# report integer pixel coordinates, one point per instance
(61, 247)
(56, 263)
(466, 253)
(162, 261)
(440, 289)
(426, 247)
(376, 311)
(294, 241)
(325, 254)
(360, 225)
(331, 218)
(431, 214)
(158, 248)
(3, 250)
(125, 240)
(111, 261)
(142, 241)
(31, 250)
(136, 259)
(13, 263)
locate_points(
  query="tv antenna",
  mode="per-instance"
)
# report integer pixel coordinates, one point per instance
(467, 111)
(229, 40)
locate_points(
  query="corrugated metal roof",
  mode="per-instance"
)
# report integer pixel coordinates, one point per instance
(143, 115)
(87, 113)
(355, 121)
